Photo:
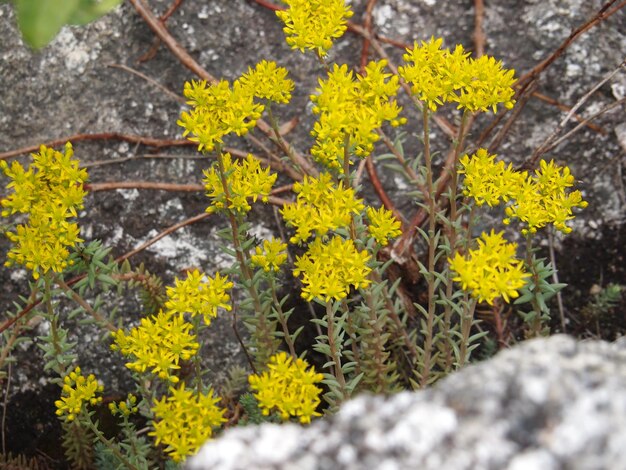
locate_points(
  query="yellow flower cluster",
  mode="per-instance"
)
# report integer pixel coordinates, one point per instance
(486, 180)
(50, 191)
(438, 76)
(268, 81)
(383, 225)
(351, 110)
(328, 270)
(78, 391)
(491, 270)
(199, 295)
(271, 256)
(158, 344)
(221, 109)
(185, 420)
(245, 180)
(124, 408)
(542, 199)
(320, 207)
(537, 200)
(313, 24)
(288, 386)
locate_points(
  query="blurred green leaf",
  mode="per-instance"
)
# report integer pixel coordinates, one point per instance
(90, 10)
(41, 20)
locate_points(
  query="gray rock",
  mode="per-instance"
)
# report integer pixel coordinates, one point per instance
(552, 403)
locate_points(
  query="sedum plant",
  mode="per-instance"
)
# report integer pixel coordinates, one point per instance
(371, 334)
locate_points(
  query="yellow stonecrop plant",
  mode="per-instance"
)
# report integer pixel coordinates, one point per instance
(158, 345)
(330, 269)
(350, 111)
(220, 109)
(271, 256)
(50, 191)
(184, 420)
(375, 334)
(124, 408)
(438, 76)
(289, 387)
(245, 180)
(78, 391)
(536, 200)
(199, 295)
(314, 24)
(383, 225)
(491, 270)
(321, 206)
(543, 199)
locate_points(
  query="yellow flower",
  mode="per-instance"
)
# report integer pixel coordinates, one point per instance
(124, 408)
(158, 344)
(313, 24)
(489, 85)
(351, 111)
(271, 256)
(542, 199)
(289, 387)
(383, 225)
(438, 76)
(77, 392)
(487, 181)
(428, 73)
(218, 110)
(268, 81)
(245, 180)
(320, 207)
(329, 270)
(491, 270)
(50, 191)
(199, 295)
(184, 421)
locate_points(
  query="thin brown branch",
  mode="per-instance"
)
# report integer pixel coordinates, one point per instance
(131, 138)
(567, 109)
(602, 14)
(172, 44)
(380, 192)
(157, 42)
(163, 234)
(560, 140)
(551, 141)
(479, 33)
(108, 186)
(152, 81)
(528, 81)
(367, 24)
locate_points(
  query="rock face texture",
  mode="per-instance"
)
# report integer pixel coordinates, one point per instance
(75, 86)
(547, 404)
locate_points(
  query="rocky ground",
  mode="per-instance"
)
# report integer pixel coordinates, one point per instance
(75, 86)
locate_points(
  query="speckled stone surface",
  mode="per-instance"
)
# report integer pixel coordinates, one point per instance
(546, 404)
(69, 88)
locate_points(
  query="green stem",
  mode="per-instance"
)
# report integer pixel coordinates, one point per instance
(62, 369)
(300, 164)
(116, 452)
(468, 306)
(281, 318)
(335, 352)
(83, 303)
(197, 358)
(467, 320)
(261, 327)
(452, 241)
(536, 325)
(430, 276)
